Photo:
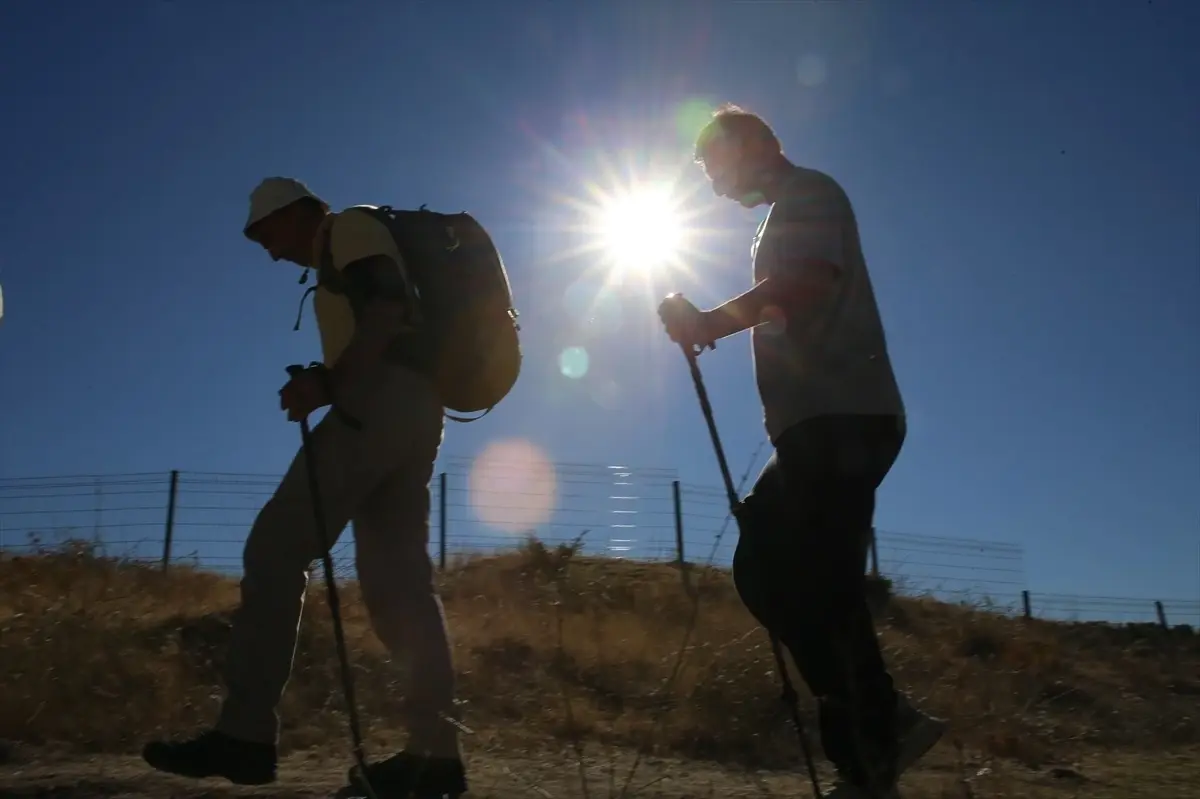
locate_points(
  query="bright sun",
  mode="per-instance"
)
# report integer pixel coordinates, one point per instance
(640, 230)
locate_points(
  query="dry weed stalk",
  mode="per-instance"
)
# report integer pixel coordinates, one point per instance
(98, 652)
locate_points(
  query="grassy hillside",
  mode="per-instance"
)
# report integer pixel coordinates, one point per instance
(552, 647)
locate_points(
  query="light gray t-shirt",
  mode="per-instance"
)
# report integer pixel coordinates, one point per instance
(834, 359)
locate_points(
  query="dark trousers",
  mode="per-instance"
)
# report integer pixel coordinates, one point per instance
(800, 568)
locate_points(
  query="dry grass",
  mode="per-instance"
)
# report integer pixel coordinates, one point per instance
(553, 648)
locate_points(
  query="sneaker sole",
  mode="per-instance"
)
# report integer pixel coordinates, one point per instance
(857, 793)
(236, 779)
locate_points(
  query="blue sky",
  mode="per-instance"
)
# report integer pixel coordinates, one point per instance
(1024, 175)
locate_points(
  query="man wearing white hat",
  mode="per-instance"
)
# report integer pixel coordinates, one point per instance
(378, 479)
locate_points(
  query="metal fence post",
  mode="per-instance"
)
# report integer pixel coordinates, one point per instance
(170, 530)
(678, 524)
(1162, 614)
(874, 554)
(442, 521)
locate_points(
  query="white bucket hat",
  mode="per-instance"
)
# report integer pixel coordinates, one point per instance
(273, 194)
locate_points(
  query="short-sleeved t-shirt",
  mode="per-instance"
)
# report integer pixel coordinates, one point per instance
(834, 359)
(352, 236)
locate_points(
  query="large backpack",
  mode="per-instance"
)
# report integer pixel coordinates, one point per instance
(467, 337)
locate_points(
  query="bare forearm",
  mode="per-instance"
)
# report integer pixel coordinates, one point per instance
(741, 312)
(792, 295)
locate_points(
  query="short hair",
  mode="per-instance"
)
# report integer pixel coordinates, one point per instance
(730, 120)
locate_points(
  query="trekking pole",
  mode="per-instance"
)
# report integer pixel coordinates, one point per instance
(323, 545)
(789, 697)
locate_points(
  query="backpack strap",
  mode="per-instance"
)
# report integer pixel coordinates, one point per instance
(331, 280)
(300, 310)
(324, 274)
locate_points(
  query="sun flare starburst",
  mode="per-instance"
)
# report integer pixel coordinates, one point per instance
(644, 232)
(641, 229)
(636, 223)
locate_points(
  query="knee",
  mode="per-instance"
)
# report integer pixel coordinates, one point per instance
(752, 580)
(781, 591)
(397, 591)
(272, 554)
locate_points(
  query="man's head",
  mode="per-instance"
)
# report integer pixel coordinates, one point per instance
(284, 217)
(740, 155)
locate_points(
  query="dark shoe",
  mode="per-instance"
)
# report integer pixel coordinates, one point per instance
(410, 775)
(873, 779)
(214, 754)
(917, 733)
(847, 790)
(858, 748)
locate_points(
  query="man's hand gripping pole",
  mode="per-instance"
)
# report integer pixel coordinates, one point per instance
(790, 697)
(324, 545)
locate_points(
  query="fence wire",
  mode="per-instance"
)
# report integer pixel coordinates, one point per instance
(629, 512)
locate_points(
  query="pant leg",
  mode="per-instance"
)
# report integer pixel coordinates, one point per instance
(857, 712)
(391, 534)
(784, 571)
(801, 557)
(761, 524)
(282, 545)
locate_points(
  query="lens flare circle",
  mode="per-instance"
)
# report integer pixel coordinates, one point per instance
(512, 486)
(573, 362)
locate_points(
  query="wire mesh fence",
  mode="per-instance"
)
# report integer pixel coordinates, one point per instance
(621, 511)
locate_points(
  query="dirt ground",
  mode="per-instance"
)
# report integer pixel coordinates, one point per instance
(99, 654)
(28, 773)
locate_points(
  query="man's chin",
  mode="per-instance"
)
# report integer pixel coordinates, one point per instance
(748, 199)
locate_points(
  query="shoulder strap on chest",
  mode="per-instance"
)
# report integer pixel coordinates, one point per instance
(327, 277)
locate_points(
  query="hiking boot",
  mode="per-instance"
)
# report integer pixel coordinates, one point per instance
(214, 754)
(409, 776)
(916, 734)
(879, 783)
(873, 776)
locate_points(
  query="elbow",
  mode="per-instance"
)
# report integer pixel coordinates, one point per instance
(799, 291)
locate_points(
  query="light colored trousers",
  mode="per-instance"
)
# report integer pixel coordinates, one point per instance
(378, 478)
